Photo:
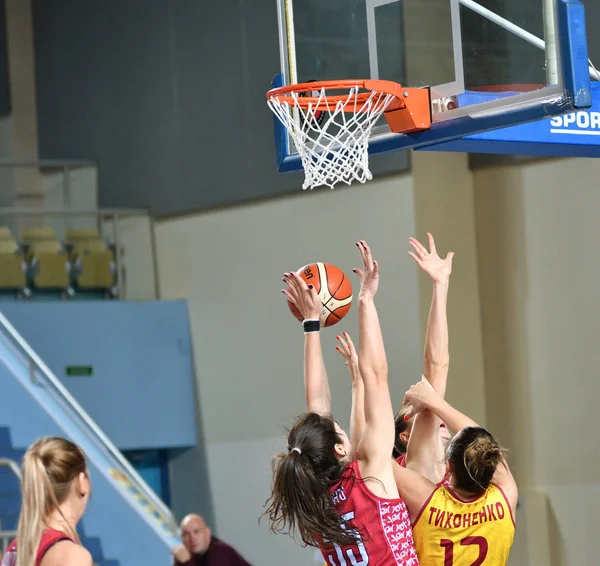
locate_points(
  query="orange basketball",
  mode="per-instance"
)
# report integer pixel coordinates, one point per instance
(333, 288)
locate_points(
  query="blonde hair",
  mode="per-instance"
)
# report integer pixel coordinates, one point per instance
(49, 467)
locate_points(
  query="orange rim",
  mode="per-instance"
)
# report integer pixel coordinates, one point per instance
(283, 93)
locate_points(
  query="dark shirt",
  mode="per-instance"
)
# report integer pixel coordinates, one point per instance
(219, 553)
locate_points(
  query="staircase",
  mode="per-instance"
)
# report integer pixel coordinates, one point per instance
(124, 519)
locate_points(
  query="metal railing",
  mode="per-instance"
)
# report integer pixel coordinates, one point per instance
(525, 35)
(64, 166)
(12, 466)
(103, 216)
(39, 369)
(5, 539)
(7, 536)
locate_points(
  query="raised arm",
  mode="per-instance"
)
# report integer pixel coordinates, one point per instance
(316, 382)
(422, 398)
(357, 415)
(378, 439)
(425, 451)
(436, 357)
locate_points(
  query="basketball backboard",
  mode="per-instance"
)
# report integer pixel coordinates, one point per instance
(488, 64)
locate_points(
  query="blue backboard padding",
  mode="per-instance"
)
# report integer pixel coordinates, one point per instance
(576, 134)
(450, 134)
(574, 52)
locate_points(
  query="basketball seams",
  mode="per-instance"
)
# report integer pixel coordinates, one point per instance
(334, 308)
(338, 287)
(323, 278)
(335, 304)
(330, 316)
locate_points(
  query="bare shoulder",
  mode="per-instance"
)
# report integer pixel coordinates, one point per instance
(67, 553)
(504, 479)
(379, 478)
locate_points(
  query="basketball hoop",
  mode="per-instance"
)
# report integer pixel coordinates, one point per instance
(331, 131)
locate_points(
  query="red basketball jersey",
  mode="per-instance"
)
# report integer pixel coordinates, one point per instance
(402, 460)
(49, 538)
(384, 535)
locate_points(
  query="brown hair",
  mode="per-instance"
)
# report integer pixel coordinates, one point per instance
(401, 426)
(300, 500)
(474, 456)
(49, 467)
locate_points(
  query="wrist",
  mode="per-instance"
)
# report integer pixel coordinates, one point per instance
(442, 283)
(311, 325)
(435, 404)
(355, 375)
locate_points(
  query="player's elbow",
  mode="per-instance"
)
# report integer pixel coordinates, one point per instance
(318, 404)
(374, 373)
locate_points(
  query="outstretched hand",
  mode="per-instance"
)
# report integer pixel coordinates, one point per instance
(304, 297)
(419, 397)
(429, 261)
(369, 274)
(348, 352)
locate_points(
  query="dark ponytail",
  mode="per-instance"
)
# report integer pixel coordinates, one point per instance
(301, 501)
(400, 426)
(474, 456)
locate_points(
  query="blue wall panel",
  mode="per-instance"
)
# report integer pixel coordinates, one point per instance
(142, 391)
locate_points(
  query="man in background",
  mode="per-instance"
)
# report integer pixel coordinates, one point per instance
(200, 548)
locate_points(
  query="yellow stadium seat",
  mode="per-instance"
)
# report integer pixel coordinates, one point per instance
(12, 262)
(48, 258)
(92, 258)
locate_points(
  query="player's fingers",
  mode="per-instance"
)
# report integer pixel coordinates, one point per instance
(298, 282)
(431, 242)
(310, 290)
(291, 284)
(417, 260)
(418, 247)
(349, 342)
(450, 256)
(289, 280)
(410, 414)
(341, 352)
(362, 251)
(289, 296)
(367, 254)
(343, 344)
(358, 272)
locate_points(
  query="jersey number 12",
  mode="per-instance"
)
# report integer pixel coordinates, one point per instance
(448, 547)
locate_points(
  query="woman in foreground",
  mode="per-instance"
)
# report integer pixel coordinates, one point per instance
(55, 490)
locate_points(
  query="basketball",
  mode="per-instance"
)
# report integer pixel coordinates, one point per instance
(334, 290)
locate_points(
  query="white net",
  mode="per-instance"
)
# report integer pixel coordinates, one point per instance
(331, 136)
